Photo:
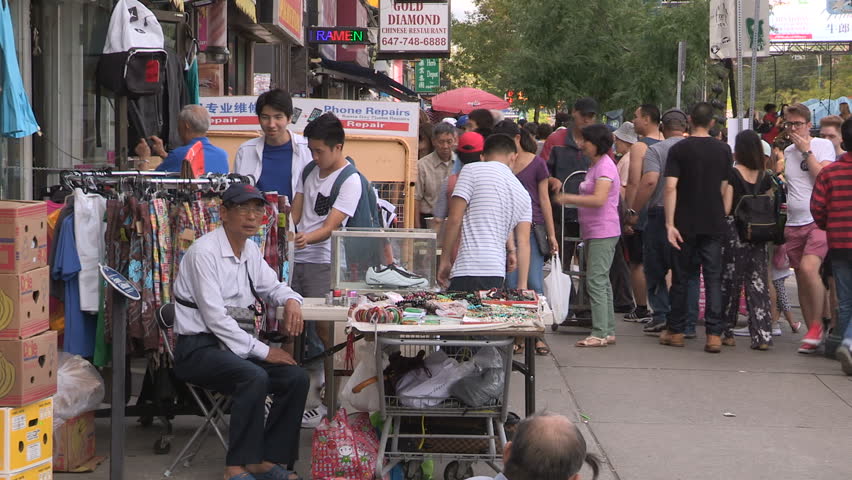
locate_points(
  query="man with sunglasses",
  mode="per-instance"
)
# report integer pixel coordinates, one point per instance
(806, 243)
(222, 279)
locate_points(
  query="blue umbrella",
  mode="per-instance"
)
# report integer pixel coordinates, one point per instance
(16, 115)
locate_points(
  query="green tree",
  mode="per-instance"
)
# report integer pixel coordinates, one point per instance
(622, 52)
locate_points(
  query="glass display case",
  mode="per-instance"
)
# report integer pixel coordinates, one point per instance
(384, 259)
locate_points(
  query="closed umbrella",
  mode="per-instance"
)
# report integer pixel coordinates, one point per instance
(466, 100)
(16, 114)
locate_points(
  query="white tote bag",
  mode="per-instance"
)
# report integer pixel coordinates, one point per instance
(132, 25)
(557, 289)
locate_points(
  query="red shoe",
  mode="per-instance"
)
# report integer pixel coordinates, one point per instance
(807, 348)
(814, 335)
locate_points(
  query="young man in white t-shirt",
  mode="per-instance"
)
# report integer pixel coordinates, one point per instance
(490, 216)
(315, 216)
(806, 244)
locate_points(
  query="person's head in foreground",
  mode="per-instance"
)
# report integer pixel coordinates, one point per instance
(547, 447)
(470, 147)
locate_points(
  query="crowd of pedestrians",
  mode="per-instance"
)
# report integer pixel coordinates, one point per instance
(668, 216)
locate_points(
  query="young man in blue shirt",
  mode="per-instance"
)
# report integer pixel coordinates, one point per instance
(277, 158)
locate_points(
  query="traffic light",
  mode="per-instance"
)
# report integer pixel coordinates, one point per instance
(510, 96)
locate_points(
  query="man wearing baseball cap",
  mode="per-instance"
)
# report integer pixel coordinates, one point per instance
(222, 279)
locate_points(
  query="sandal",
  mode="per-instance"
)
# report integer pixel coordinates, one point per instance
(610, 340)
(541, 348)
(591, 342)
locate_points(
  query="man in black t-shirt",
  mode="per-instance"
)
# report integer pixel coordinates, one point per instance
(696, 175)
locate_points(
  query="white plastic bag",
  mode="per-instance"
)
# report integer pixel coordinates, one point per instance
(367, 399)
(557, 289)
(421, 388)
(79, 388)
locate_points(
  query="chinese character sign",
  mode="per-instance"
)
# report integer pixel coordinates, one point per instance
(428, 74)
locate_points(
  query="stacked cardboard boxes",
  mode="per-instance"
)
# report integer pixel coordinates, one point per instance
(28, 352)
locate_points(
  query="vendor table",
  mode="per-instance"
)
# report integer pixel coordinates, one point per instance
(315, 309)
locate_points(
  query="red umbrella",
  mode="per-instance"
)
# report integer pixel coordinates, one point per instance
(465, 100)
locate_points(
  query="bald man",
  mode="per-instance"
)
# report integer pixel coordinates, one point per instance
(545, 447)
(193, 123)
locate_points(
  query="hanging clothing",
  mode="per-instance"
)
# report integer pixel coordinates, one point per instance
(79, 327)
(89, 226)
(16, 114)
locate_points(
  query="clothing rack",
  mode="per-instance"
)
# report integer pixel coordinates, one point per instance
(118, 407)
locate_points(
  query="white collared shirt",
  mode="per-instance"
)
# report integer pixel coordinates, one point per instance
(211, 276)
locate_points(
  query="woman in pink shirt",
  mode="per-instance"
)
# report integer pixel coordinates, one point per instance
(600, 227)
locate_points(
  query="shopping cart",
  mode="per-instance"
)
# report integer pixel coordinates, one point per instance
(574, 258)
(415, 429)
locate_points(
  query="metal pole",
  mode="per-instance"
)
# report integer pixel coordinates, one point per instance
(738, 15)
(681, 70)
(754, 48)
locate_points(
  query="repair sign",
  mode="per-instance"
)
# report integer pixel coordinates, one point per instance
(395, 119)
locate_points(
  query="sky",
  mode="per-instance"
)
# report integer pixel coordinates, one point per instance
(459, 7)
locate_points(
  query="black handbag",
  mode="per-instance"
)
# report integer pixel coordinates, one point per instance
(540, 234)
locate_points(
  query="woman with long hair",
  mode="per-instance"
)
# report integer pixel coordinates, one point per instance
(745, 264)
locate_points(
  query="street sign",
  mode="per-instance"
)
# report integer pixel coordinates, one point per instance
(428, 74)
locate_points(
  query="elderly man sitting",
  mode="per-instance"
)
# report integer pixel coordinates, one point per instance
(545, 447)
(193, 123)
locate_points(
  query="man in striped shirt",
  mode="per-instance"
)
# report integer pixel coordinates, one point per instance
(488, 205)
(830, 201)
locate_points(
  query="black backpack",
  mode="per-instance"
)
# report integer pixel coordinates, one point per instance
(757, 214)
(133, 62)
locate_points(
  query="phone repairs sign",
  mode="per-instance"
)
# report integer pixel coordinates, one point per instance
(394, 119)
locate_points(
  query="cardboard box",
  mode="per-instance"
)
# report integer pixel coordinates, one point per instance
(74, 443)
(23, 236)
(42, 471)
(27, 369)
(26, 436)
(24, 309)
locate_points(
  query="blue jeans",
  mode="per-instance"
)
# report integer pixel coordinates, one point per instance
(657, 263)
(842, 270)
(535, 278)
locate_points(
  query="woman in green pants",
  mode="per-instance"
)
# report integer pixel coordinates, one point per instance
(600, 228)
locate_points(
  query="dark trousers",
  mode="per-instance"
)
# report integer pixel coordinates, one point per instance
(702, 252)
(200, 361)
(657, 259)
(619, 277)
(312, 280)
(473, 284)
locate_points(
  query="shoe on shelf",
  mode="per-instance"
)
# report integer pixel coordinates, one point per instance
(654, 327)
(807, 348)
(312, 418)
(671, 339)
(845, 357)
(394, 276)
(776, 329)
(714, 344)
(741, 332)
(814, 336)
(729, 342)
(638, 315)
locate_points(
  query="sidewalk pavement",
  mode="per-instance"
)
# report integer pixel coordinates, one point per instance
(654, 413)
